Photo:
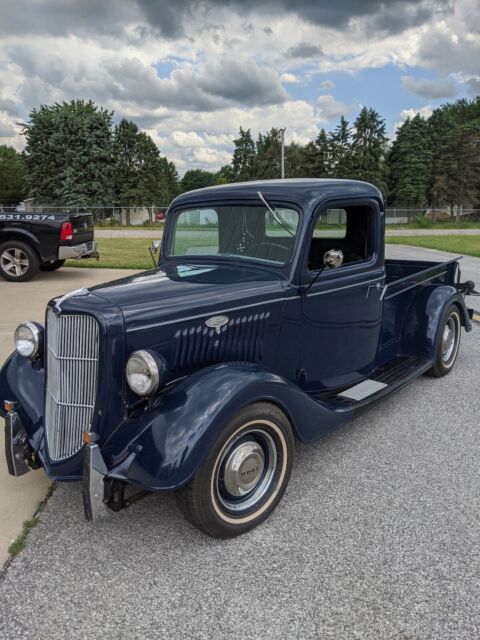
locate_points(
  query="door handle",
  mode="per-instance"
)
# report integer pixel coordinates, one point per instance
(378, 286)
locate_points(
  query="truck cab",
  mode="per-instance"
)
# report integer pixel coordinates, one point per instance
(270, 315)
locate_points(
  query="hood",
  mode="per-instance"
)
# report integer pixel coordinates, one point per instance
(177, 292)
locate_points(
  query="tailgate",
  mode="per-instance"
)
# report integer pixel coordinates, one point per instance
(83, 227)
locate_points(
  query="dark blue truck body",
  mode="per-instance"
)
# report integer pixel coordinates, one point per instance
(293, 336)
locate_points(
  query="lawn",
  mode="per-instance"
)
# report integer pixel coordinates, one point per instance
(118, 253)
(132, 253)
(468, 245)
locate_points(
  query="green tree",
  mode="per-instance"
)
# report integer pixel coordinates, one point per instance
(456, 181)
(12, 176)
(68, 154)
(197, 179)
(142, 176)
(455, 143)
(294, 160)
(369, 147)
(244, 155)
(268, 159)
(224, 175)
(410, 162)
(318, 157)
(341, 150)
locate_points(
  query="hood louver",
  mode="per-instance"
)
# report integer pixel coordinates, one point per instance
(241, 339)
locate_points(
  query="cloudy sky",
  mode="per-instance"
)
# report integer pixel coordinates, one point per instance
(190, 72)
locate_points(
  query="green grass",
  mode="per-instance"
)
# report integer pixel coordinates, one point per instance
(131, 227)
(132, 253)
(20, 541)
(435, 225)
(18, 545)
(118, 253)
(468, 245)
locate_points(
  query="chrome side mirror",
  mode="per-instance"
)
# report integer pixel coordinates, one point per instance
(333, 258)
(153, 248)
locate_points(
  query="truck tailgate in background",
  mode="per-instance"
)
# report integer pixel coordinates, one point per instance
(83, 227)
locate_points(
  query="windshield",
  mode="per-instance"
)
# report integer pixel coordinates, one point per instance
(237, 231)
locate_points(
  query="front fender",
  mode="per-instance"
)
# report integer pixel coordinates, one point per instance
(423, 317)
(163, 448)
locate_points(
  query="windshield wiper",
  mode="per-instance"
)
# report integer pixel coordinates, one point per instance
(273, 213)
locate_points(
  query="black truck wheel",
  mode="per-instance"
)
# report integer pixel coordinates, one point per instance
(18, 261)
(244, 475)
(52, 266)
(448, 343)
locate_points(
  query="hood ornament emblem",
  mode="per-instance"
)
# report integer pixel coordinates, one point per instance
(216, 322)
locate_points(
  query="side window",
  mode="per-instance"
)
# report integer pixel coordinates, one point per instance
(196, 232)
(349, 230)
(331, 223)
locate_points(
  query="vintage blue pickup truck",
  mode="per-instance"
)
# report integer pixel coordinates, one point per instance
(270, 314)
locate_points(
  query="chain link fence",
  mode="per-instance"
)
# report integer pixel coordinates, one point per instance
(155, 214)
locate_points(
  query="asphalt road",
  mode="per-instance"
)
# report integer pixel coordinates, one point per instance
(376, 537)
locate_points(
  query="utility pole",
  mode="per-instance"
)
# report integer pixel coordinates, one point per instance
(282, 132)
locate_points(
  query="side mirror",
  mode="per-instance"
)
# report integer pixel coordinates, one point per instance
(333, 258)
(154, 248)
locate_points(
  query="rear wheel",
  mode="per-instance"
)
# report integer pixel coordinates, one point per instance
(244, 476)
(448, 343)
(18, 261)
(52, 266)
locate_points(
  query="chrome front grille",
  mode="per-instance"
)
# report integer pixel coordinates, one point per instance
(72, 371)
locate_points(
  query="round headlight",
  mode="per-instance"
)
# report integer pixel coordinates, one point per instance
(143, 373)
(27, 339)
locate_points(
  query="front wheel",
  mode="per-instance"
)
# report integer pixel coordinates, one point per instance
(448, 343)
(245, 474)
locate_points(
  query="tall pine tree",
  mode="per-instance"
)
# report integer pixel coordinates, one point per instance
(341, 150)
(318, 157)
(243, 161)
(369, 147)
(410, 162)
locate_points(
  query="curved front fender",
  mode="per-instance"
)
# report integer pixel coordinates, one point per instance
(163, 448)
(423, 317)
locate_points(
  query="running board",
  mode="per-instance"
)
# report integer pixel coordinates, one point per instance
(384, 381)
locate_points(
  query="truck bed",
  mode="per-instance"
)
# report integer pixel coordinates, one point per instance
(403, 277)
(404, 274)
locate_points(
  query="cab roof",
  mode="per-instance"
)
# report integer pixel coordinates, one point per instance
(302, 191)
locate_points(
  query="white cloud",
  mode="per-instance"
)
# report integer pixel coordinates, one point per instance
(330, 109)
(190, 73)
(289, 78)
(430, 89)
(425, 112)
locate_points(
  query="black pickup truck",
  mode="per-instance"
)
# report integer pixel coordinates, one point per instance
(33, 241)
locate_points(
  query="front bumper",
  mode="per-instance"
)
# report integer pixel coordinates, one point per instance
(17, 449)
(76, 251)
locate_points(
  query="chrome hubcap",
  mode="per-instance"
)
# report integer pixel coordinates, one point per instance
(246, 470)
(449, 340)
(14, 262)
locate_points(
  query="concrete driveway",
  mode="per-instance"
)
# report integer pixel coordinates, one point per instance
(376, 538)
(19, 497)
